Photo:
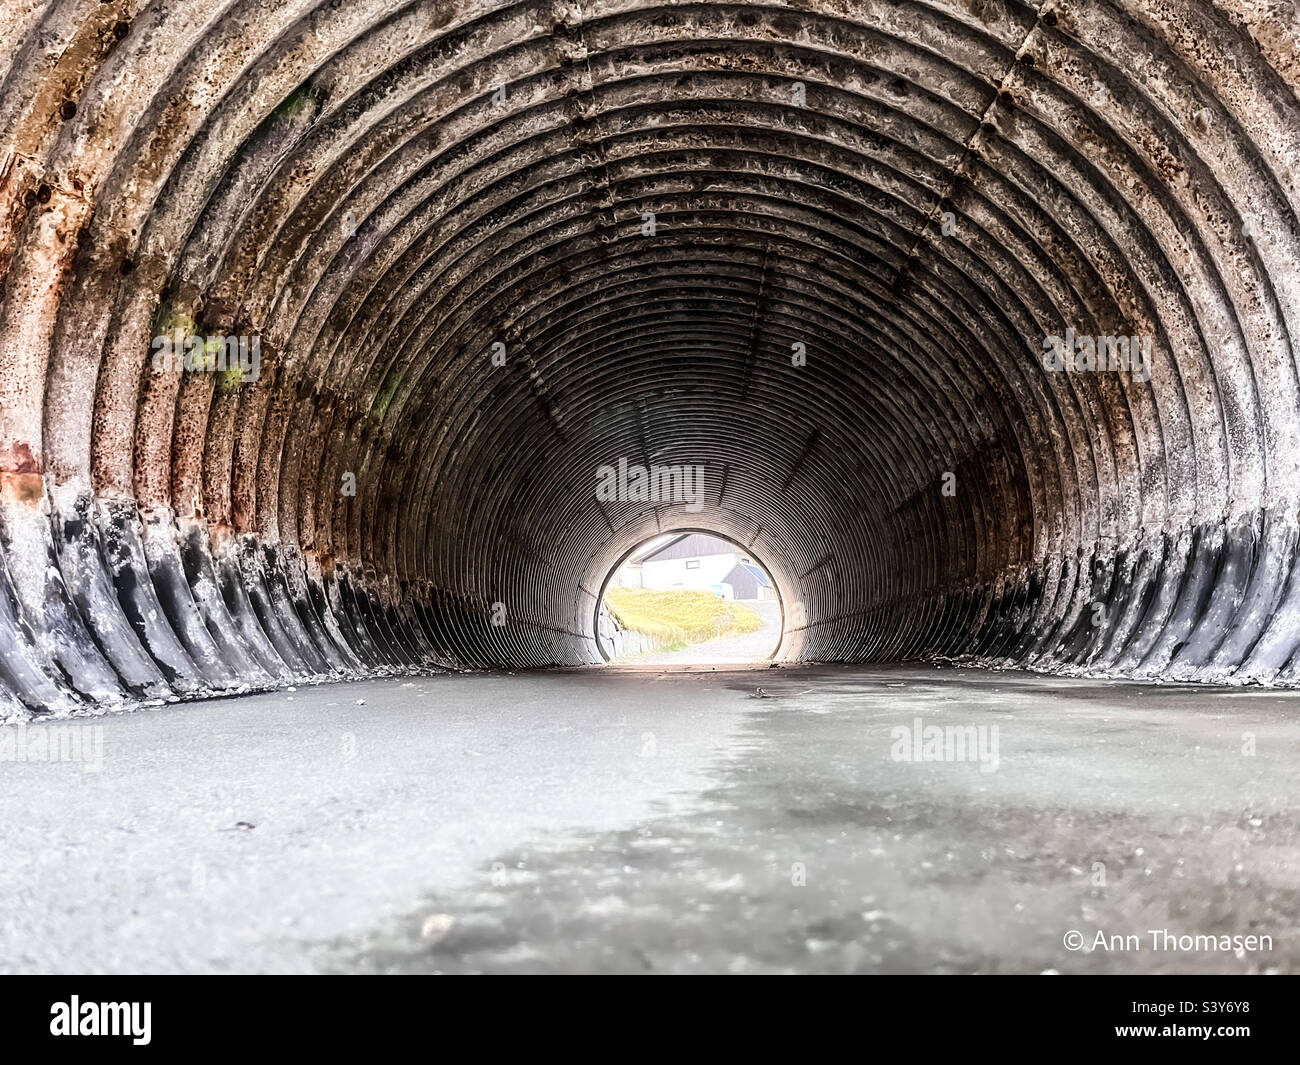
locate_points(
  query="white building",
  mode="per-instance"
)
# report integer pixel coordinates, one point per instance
(703, 563)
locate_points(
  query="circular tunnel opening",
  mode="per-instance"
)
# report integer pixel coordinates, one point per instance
(689, 598)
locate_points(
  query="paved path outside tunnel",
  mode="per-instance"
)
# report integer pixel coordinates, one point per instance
(620, 821)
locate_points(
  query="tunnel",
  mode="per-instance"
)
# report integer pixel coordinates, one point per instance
(973, 319)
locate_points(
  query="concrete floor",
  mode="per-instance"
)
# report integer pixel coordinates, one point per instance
(634, 821)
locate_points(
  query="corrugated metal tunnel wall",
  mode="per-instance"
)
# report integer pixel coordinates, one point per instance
(820, 249)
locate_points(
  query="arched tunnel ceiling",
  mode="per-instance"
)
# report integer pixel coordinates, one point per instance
(818, 250)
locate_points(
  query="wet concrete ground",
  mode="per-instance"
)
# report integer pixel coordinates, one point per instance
(620, 821)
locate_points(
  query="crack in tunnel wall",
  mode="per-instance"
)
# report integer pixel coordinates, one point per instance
(647, 207)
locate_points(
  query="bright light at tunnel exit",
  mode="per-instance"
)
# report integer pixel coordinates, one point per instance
(689, 598)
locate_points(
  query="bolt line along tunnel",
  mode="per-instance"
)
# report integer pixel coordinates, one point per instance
(319, 319)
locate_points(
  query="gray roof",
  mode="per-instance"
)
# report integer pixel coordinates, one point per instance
(691, 545)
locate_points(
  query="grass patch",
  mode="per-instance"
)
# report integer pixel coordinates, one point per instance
(680, 618)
